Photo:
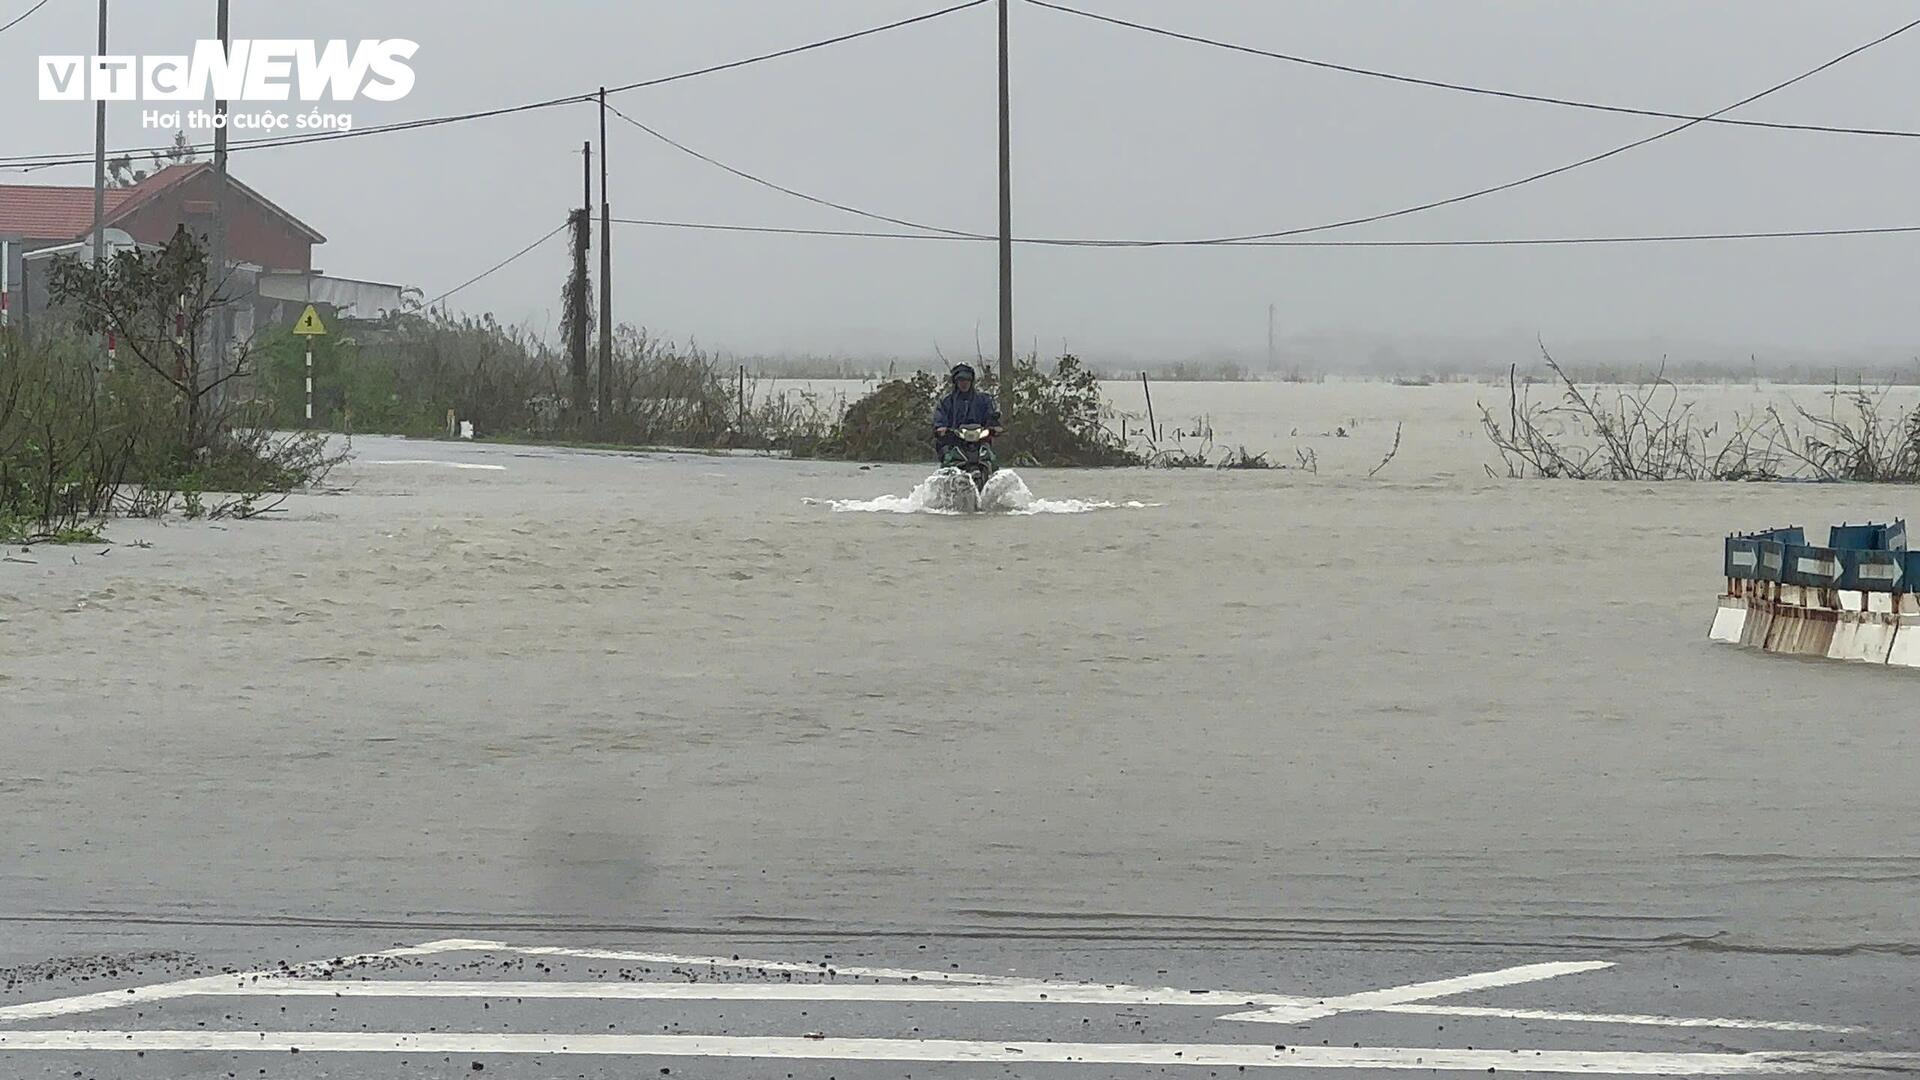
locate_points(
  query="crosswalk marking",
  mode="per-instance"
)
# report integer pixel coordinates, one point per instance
(1421, 991)
(347, 977)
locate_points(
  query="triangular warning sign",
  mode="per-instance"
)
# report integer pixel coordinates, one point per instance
(309, 324)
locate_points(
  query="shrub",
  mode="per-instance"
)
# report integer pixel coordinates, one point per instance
(404, 373)
(407, 370)
(82, 437)
(1059, 417)
(892, 423)
(1054, 417)
(58, 453)
(354, 389)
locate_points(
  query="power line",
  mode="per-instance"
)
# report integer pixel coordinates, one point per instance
(31, 162)
(1530, 241)
(786, 231)
(815, 199)
(1466, 88)
(496, 266)
(950, 237)
(1264, 239)
(798, 48)
(23, 16)
(1451, 200)
(1545, 241)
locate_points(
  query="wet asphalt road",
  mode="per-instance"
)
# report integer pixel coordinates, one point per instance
(1850, 1015)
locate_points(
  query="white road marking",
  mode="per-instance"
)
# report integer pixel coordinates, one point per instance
(1448, 1059)
(195, 987)
(442, 464)
(1030, 994)
(930, 986)
(1613, 1018)
(1421, 991)
(925, 991)
(850, 971)
(1282, 1008)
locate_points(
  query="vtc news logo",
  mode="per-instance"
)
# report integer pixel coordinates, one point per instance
(250, 70)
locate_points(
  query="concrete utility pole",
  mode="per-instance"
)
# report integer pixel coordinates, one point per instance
(1273, 358)
(100, 158)
(217, 271)
(1006, 220)
(606, 273)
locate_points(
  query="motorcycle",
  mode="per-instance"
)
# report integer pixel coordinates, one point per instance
(972, 455)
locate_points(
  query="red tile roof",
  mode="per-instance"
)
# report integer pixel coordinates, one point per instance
(47, 212)
(156, 182)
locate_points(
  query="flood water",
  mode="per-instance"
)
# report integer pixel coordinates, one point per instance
(1431, 707)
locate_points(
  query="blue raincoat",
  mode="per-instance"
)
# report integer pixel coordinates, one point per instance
(961, 410)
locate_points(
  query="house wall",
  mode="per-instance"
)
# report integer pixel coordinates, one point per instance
(254, 233)
(15, 249)
(19, 296)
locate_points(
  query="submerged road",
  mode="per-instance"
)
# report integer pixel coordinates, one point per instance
(543, 763)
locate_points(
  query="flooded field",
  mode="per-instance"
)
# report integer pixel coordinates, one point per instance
(1349, 425)
(495, 686)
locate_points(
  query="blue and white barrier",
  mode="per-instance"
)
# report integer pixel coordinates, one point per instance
(1854, 599)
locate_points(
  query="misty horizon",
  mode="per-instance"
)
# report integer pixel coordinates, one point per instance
(1117, 134)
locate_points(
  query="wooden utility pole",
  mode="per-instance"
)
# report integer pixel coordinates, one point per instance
(1006, 221)
(100, 159)
(577, 303)
(606, 274)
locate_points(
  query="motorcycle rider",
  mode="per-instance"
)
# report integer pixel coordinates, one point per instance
(962, 407)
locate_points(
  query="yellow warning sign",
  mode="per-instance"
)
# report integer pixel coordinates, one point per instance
(309, 324)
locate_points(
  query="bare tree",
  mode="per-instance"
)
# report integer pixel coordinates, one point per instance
(1864, 441)
(1649, 433)
(159, 308)
(122, 173)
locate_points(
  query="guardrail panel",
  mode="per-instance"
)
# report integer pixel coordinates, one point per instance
(1773, 560)
(1742, 558)
(1815, 567)
(1873, 571)
(1858, 537)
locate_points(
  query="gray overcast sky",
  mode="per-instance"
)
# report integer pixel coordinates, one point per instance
(1116, 133)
